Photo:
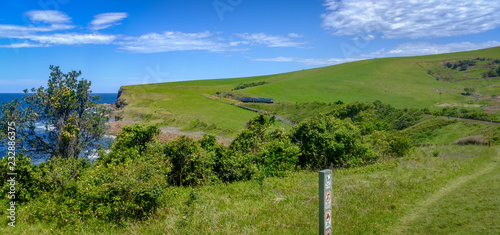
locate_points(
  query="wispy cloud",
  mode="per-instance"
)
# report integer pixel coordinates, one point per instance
(294, 35)
(48, 16)
(405, 49)
(308, 61)
(270, 40)
(365, 37)
(22, 45)
(14, 31)
(106, 20)
(72, 38)
(173, 41)
(43, 35)
(428, 48)
(411, 19)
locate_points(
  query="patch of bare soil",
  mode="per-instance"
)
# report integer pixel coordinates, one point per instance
(116, 127)
(459, 105)
(167, 133)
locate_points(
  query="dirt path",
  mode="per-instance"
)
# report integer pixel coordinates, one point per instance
(449, 188)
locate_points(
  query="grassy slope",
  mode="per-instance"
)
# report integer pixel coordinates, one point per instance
(419, 192)
(469, 205)
(400, 82)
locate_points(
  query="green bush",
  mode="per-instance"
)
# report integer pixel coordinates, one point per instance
(400, 144)
(127, 191)
(191, 165)
(27, 185)
(326, 142)
(130, 190)
(130, 143)
(279, 155)
(52, 175)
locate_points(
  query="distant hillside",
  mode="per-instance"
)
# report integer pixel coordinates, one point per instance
(419, 82)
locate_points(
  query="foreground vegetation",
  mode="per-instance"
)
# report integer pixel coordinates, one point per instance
(265, 180)
(389, 196)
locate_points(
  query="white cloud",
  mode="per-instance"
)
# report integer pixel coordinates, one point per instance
(173, 41)
(72, 38)
(106, 20)
(294, 35)
(49, 17)
(365, 37)
(14, 31)
(427, 48)
(270, 40)
(411, 19)
(405, 49)
(308, 61)
(22, 45)
(275, 59)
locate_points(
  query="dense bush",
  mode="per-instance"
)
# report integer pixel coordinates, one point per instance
(127, 191)
(327, 142)
(130, 190)
(279, 154)
(264, 152)
(130, 143)
(191, 165)
(27, 186)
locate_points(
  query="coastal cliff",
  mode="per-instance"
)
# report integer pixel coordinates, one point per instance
(120, 102)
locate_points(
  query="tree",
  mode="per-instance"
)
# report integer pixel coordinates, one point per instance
(73, 121)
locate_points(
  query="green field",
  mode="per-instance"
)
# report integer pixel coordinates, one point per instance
(401, 82)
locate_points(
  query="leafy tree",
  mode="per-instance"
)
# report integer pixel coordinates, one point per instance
(73, 120)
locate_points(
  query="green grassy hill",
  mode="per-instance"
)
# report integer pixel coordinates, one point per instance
(401, 82)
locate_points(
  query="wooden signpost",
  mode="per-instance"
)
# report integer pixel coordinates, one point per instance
(325, 202)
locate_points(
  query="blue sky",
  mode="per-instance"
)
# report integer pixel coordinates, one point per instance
(117, 43)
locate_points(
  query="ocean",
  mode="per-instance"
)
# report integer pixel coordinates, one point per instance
(106, 98)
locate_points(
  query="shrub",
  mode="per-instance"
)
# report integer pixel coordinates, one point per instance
(328, 142)
(130, 143)
(127, 191)
(251, 139)
(26, 184)
(124, 191)
(51, 176)
(191, 165)
(279, 155)
(400, 144)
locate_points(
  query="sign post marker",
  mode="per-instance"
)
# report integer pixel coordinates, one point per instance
(325, 202)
